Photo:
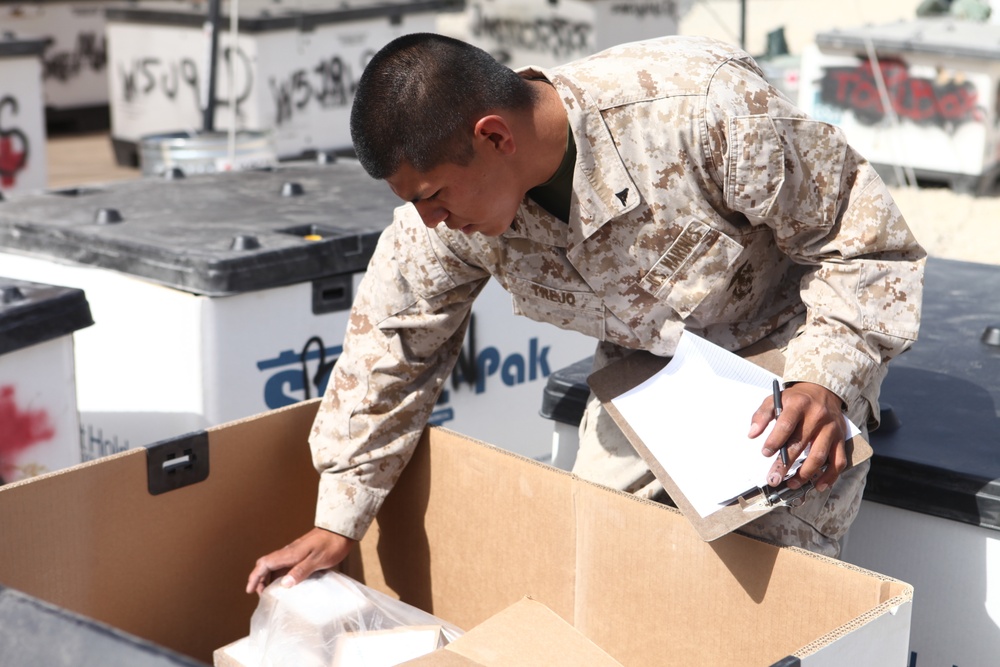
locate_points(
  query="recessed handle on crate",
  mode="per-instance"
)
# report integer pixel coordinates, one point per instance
(176, 463)
(332, 293)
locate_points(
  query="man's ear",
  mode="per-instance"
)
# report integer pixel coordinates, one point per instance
(497, 131)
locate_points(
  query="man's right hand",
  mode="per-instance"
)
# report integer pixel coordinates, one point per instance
(316, 550)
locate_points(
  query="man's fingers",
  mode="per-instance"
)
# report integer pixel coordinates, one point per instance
(761, 418)
(836, 464)
(266, 569)
(258, 578)
(811, 417)
(304, 568)
(276, 564)
(784, 433)
(300, 572)
(827, 451)
(316, 550)
(779, 469)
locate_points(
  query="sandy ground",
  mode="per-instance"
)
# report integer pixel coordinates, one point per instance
(951, 225)
(83, 159)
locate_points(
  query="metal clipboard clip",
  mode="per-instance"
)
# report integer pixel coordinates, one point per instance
(765, 498)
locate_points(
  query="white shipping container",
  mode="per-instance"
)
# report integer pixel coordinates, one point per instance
(925, 107)
(23, 165)
(39, 424)
(551, 32)
(211, 305)
(932, 508)
(289, 72)
(74, 74)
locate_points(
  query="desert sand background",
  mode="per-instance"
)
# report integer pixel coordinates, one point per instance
(951, 225)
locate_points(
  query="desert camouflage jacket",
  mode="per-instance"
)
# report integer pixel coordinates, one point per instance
(702, 200)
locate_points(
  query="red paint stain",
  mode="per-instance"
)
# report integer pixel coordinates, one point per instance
(20, 429)
(11, 162)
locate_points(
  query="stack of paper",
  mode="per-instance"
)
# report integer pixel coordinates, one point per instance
(694, 416)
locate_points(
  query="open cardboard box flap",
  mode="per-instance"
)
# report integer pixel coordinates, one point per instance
(527, 632)
(468, 531)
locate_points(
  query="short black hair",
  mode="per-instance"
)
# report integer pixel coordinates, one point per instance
(419, 98)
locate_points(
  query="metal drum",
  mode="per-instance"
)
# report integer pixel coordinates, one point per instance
(205, 152)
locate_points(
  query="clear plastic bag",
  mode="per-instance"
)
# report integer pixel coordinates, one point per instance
(331, 620)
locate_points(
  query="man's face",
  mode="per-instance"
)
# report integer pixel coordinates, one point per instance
(478, 197)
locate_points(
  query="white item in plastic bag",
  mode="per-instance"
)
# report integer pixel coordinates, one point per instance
(386, 648)
(329, 614)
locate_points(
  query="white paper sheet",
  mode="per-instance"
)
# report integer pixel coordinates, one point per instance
(694, 416)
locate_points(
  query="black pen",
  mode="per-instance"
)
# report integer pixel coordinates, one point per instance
(776, 388)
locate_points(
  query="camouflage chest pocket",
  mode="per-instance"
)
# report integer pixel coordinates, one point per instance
(573, 309)
(695, 270)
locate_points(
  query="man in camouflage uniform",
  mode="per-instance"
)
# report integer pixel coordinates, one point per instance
(651, 188)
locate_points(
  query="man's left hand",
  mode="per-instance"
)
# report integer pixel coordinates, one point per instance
(810, 414)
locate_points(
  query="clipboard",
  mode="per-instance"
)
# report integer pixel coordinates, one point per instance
(624, 374)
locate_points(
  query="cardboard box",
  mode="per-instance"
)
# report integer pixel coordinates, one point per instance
(469, 530)
(527, 632)
(374, 648)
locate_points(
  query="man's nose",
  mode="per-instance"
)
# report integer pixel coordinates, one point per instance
(432, 214)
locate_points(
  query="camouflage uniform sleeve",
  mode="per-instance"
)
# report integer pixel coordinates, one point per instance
(404, 335)
(828, 209)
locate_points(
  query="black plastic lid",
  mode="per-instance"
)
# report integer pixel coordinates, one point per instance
(214, 234)
(34, 632)
(943, 459)
(32, 313)
(12, 46)
(269, 15)
(566, 392)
